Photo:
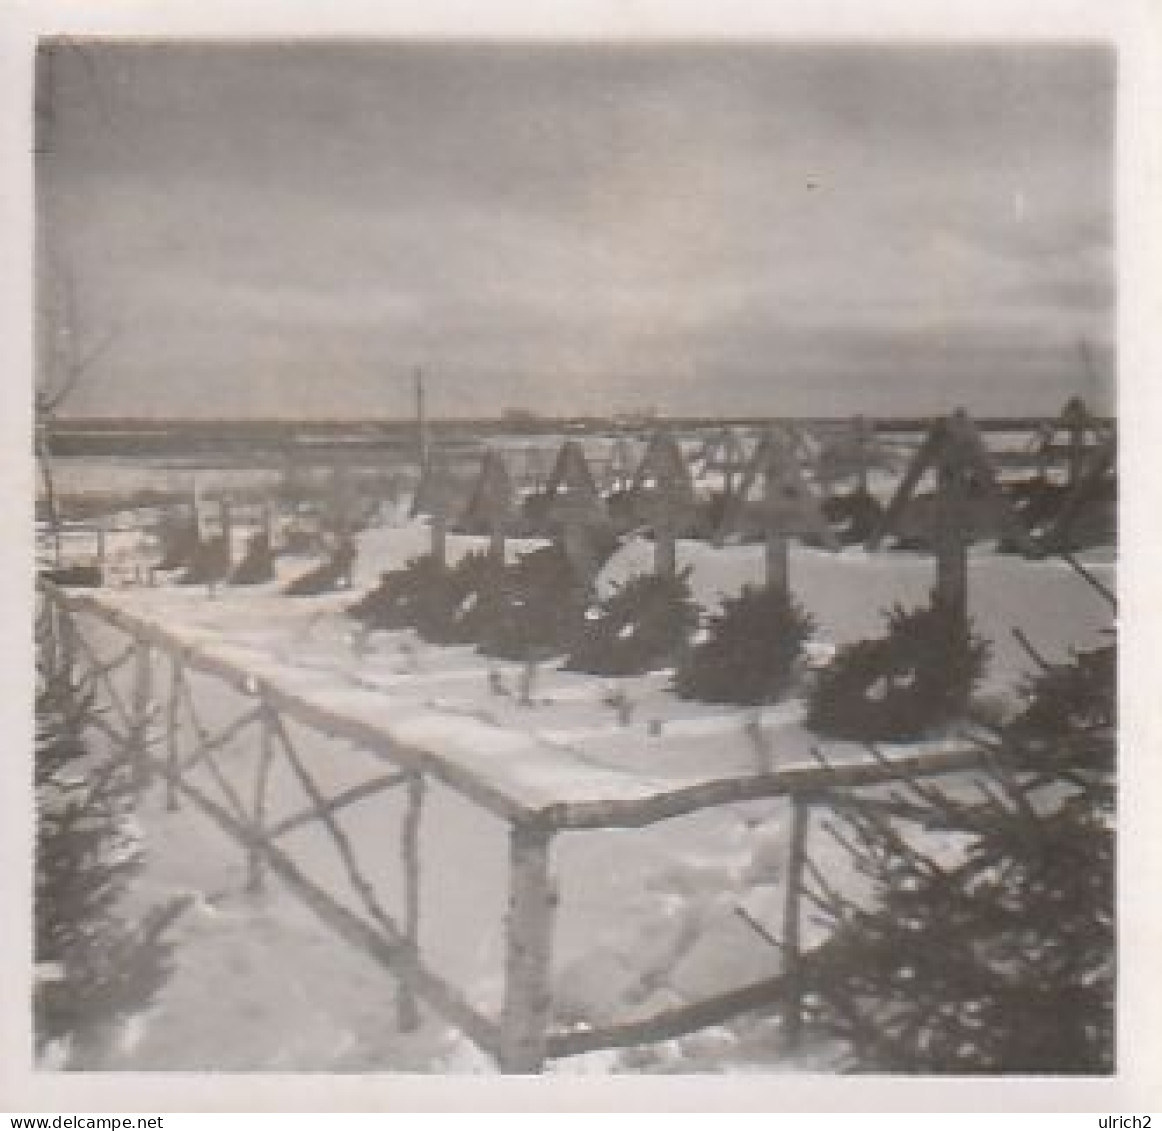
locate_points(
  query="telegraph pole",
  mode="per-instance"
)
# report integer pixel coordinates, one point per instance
(421, 422)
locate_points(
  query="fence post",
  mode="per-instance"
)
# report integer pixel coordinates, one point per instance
(778, 562)
(792, 977)
(439, 533)
(407, 1008)
(141, 712)
(665, 549)
(66, 636)
(528, 961)
(171, 733)
(255, 872)
(46, 632)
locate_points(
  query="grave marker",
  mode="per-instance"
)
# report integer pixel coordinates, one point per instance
(1074, 437)
(856, 451)
(662, 496)
(493, 504)
(955, 452)
(787, 507)
(179, 535)
(621, 465)
(724, 452)
(537, 465)
(576, 505)
(1098, 467)
(220, 555)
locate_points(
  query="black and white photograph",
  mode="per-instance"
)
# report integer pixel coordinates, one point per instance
(575, 556)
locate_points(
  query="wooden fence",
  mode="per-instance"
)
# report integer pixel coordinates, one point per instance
(523, 1037)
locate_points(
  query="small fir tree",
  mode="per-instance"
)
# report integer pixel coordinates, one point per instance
(919, 676)
(1001, 960)
(535, 609)
(853, 516)
(434, 599)
(750, 651)
(645, 624)
(257, 564)
(328, 576)
(94, 967)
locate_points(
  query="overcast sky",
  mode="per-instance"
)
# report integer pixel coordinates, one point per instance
(733, 229)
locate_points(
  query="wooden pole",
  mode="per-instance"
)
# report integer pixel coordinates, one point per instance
(407, 1007)
(45, 634)
(528, 679)
(48, 487)
(665, 550)
(61, 650)
(440, 540)
(952, 544)
(863, 452)
(67, 635)
(496, 544)
(777, 552)
(792, 974)
(778, 562)
(141, 696)
(171, 733)
(1076, 456)
(527, 992)
(255, 858)
(421, 423)
(578, 546)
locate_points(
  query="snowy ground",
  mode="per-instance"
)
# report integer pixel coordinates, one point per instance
(647, 919)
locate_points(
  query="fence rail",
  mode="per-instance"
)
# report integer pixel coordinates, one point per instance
(523, 1037)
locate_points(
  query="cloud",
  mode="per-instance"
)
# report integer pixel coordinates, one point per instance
(565, 224)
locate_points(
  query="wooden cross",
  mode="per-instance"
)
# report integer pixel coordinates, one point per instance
(788, 507)
(856, 451)
(493, 504)
(221, 549)
(621, 462)
(954, 450)
(662, 496)
(1099, 464)
(863, 440)
(577, 507)
(806, 445)
(536, 466)
(180, 534)
(724, 452)
(1083, 436)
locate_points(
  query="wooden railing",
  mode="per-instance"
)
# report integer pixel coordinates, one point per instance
(522, 1037)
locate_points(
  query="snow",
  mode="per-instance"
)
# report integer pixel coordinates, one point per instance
(648, 918)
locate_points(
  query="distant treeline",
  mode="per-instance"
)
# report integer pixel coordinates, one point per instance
(248, 442)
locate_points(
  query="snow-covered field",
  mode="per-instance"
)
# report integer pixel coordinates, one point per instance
(647, 918)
